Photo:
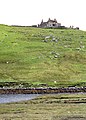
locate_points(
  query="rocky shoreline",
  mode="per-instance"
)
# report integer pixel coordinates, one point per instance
(42, 90)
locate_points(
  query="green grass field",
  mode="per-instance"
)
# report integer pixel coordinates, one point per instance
(47, 107)
(35, 57)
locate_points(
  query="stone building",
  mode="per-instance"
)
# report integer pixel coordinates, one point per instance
(49, 24)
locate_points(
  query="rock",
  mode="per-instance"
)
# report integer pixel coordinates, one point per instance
(55, 56)
(78, 48)
(47, 37)
(53, 52)
(55, 82)
(53, 39)
(56, 40)
(45, 40)
(82, 46)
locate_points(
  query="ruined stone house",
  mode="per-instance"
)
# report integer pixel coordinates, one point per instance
(49, 24)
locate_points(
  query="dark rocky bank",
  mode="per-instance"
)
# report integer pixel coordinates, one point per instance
(42, 90)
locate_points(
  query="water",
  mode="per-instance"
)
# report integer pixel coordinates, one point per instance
(8, 98)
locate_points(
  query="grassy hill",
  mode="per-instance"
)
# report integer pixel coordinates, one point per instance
(42, 57)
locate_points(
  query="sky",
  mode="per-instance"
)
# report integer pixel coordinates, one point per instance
(31, 12)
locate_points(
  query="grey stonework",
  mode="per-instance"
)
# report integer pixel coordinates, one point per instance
(49, 24)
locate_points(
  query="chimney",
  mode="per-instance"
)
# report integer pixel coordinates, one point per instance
(55, 20)
(42, 21)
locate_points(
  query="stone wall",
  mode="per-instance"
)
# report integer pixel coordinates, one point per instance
(43, 90)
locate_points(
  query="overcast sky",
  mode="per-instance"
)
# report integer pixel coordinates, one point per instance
(31, 12)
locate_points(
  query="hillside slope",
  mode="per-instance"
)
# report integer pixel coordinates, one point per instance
(42, 57)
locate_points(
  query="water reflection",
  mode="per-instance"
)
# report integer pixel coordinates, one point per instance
(8, 98)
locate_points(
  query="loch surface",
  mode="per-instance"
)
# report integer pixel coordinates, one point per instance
(8, 98)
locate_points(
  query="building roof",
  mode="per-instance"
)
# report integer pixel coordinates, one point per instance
(49, 20)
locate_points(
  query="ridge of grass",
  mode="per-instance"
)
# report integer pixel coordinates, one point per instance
(27, 56)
